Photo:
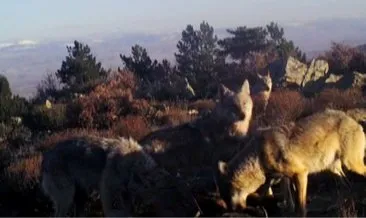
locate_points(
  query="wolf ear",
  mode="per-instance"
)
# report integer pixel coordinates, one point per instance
(224, 91)
(245, 88)
(223, 168)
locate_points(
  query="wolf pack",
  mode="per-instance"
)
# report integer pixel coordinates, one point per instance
(246, 160)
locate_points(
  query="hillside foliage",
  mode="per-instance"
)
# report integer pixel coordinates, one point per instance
(144, 95)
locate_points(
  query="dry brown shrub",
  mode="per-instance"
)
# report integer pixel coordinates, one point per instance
(24, 172)
(283, 106)
(338, 99)
(289, 105)
(343, 58)
(132, 125)
(107, 102)
(21, 193)
(141, 107)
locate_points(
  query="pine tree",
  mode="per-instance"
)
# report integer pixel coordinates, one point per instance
(80, 71)
(283, 47)
(196, 57)
(140, 63)
(4, 87)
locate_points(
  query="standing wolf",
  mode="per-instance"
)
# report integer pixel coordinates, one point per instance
(132, 178)
(326, 140)
(207, 139)
(72, 169)
(120, 169)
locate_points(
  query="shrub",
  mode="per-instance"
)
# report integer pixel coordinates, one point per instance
(343, 58)
(19, 136)
(41, 118)
(24, 173)
(106, 103)
(283, 106)
(135, 126)
(338, 99)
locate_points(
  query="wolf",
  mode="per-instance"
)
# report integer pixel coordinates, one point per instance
(132, 177)
(262, 90)
(216, 136)
(326, 140)
(200, 142)
(72, 169)
(121, 163)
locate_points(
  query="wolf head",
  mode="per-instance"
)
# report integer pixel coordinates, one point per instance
(234, 109)
(233, 198)
(263, 84)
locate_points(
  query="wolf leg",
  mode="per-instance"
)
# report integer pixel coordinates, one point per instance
(63, 199)
(288, 192)
(301, 181)
(63, 204)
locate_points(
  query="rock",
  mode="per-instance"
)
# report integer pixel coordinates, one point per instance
(333, 79)
(317, 70)
(308, 79)
(315, 76)
(295, 72)
(345, 81)
(312, 79)
(359, 79)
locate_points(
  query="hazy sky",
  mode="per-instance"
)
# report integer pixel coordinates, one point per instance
(52, 19)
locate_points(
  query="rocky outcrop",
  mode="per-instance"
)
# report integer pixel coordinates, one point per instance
(316, 70)
(345, 81)
(298, 74)
(359, 79)
(333, 79)
(313, 78)
(295, 72)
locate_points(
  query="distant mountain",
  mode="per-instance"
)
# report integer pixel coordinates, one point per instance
(26, 62)
(315, 37)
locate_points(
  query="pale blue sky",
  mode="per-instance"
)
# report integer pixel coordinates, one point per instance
(53, 19)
